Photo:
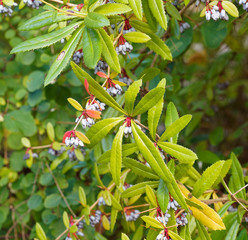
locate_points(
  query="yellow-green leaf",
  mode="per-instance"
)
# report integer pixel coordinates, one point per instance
(82, 137)
(151, 196)
(105, 223)
(124, 236)
(66, 219)
(39, 232)
(230, 8)
(25, 142)
(174, 236)
(151, 221)
(50, 131)
(207, 215)
(136, 5)
(136, 37)
(75, 104)
(82, 196)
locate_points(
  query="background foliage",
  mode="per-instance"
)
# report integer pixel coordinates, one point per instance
(207, 78)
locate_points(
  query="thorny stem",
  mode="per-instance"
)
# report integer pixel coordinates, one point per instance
(61, 193)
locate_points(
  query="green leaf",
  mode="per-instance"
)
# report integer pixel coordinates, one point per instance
(109, 52)
(237, 177)
(34, 201)
(64, 56)
(224, 208)
(151, 221)
(116, 156)
(148, 101)
(163, 196)
(225, 169)
(66, 220)
(157, 8)
(149, 15)
(127, 149)
(170, 117)
(114, 212)
(174, 235)
(95, 88)
(82, 196)
(46, 39)
(193, 204)
(172, 10)
(159, 47)
(207, 179)
(50, 131)
(124, 236)
(149, 73)
(39, 232)
(203, 233)
(151, 154)
(139, 168)
(115, 203)
(136, 37)
(96, 20)
(183, 154)
(52, 200)
(154, 114)
(96, 172)
(92, 47)
(99, 130)
(44, 19)
(151, 196)
(113, 9)
(141, 26)
(175, 127)
(138, 189)
(131, 94)
(136, 5)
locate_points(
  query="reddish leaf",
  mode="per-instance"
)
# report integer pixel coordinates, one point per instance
(67, 134)
(93, 114)
(102, 74)
(86, 85)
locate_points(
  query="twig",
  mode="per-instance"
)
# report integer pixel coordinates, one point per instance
(240, 189)
(233, 196)
(60, 191)
(61, 2)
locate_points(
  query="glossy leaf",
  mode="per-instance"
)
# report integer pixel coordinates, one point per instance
(141, 26)
(25, 142)
(175, 127)
(237, 177)
(75, 104)
(46, 39)
(136, 37)
(96, 20)
(50, 131)
(230, 8)
(113, 9)
(131, 94)
(116, 155)
(151, 20)
(127, 149)
(159, 47)
(115, 203)
(92, 47)
(225, 169)
(136, 5)
(124, 236)
(157, 8)
(82, 196)
(82, 137)
(151, 196)
(172, 10)
(174, 235)
(105, 223)
(95, 88)
(139, 168)
(44, 19)
(108, 51)
(138, 189)
(183, 154)
(152, 222)
(66, 219)
(148, 101)
(99, 130)
(154, 114)
(207, 215)
(163, 196)
(64, 56)
(40, 232)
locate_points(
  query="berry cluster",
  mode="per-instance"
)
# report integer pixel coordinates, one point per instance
(127, 27)
(101, 67)
(56, 153)
(70, 139)
(96, 218)
(163, 235)
(86, 121)
(33, 3)
(126, 186)
(244, 3)
(93, 104)
(72, 155)
(77, 56)
(216, 12)
(123, 46)
(112, 88)
(128, 129)
(132, 215)
(101, 202)
(124, 77)
(6, 10)
(27, 155)
(183, 26)
(162, 219)
(173, 204)
(182, 219)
